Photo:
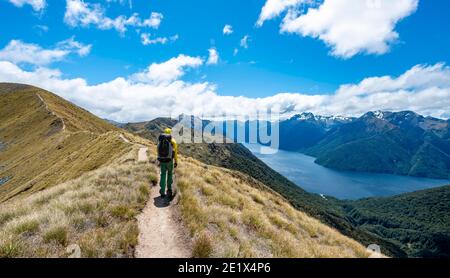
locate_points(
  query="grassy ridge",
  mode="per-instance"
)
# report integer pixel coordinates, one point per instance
(46, 140)
(95, 211)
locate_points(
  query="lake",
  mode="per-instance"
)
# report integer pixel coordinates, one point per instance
(314, 178)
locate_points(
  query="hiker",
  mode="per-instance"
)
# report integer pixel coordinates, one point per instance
(168, 160)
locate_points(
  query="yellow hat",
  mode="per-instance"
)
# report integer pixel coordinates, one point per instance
(168, 131)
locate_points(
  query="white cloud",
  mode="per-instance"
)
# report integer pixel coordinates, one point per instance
(168, 71)
(423, 89)
(146, 40)
(159, 91)
(72, 45)
(213, 58)
(19, 52)
(349, 27)
(227, 29)
(273, 8)
(80, 13)
(37, 5)
(244, 41)
(154, 21)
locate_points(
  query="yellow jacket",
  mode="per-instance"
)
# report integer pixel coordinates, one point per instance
(175, 150)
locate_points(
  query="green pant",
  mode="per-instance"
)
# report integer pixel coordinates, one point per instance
(166, 177)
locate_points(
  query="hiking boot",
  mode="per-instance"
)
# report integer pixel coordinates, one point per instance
(169, 194)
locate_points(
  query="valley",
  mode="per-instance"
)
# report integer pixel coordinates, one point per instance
(402, 143)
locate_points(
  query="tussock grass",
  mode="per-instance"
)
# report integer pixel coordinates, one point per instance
(96, 211)
(231, 215)
(202, 246)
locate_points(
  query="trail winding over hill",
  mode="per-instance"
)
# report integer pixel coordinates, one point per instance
(63, 128)
(160, 235)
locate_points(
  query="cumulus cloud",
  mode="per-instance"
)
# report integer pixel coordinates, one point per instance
(168, 71)
(213, 58)
(20, 52)
(273, 8)
(160, 91)
(424, 89)
(80, 13)
(37, 5)
(147, 40)
(348, 27)
(227, 29)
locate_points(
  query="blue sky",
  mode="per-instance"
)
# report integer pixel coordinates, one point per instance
(274, 61)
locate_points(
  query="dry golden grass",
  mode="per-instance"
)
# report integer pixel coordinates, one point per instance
(226, 213)
(231, 215)
(96, 211)
(38, 152)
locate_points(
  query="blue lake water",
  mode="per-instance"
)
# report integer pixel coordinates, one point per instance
(314, 178)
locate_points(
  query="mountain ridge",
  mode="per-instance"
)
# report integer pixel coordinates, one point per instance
(48, 140)
(402, 143)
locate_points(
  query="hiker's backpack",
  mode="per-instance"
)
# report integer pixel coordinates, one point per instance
(165, 148)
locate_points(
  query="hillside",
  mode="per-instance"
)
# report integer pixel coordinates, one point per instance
(238, 158)
(47, 140)
(82, 186)
(418, 221)
(225, 213)
(93, 215)
(234, 215)
(401, 143)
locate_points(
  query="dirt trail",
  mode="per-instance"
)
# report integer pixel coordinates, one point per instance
(124, 139)
(51, 112)
(142, 155)
(160, 235)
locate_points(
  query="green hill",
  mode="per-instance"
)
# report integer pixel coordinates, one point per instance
(419, 222)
